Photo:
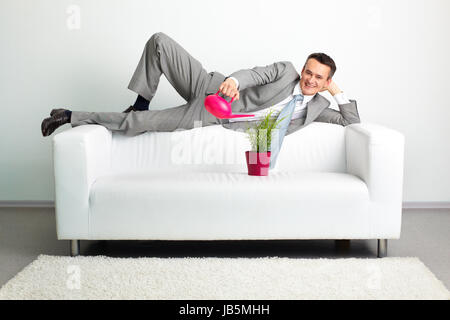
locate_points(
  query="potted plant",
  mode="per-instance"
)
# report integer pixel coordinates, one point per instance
(260, 136)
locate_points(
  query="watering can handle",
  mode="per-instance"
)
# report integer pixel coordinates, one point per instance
(231, 98)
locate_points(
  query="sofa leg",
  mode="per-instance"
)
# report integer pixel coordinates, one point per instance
(382, 248)
(74, 248)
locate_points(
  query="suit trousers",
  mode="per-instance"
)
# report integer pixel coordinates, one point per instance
(161, 55)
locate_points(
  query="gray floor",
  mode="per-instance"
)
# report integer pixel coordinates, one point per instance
(27, 232)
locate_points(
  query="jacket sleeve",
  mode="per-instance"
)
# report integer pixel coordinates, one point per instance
(259, 76)
(348, 114)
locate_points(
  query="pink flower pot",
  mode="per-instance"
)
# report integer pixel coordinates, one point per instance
(258, 163)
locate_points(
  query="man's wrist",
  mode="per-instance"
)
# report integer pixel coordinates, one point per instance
(334, 91)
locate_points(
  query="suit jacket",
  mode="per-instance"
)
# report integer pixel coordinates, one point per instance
(263, 87)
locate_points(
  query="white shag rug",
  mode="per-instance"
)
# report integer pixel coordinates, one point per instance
(101, 277)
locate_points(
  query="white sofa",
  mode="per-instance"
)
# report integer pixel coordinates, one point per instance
(330, 182)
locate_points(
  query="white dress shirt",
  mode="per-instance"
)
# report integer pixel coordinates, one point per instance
(299, 110)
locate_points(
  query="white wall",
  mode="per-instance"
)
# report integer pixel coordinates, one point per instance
(392, 56)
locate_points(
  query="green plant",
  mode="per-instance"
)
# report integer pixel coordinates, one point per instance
(260, 135)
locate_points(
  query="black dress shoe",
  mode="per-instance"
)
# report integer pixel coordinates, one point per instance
(50, 124)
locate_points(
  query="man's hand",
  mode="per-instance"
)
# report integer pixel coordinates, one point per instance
(332, 88)
(228, 88)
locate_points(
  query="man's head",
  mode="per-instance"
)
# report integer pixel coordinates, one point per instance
(316, 73)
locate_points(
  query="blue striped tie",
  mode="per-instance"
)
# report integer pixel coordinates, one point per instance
(287, 112)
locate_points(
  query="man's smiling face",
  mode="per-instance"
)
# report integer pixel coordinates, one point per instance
(314, 77)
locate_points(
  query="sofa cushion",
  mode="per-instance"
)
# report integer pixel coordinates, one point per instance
(183, 205)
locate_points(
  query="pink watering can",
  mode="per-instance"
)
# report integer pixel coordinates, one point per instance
(221, 108)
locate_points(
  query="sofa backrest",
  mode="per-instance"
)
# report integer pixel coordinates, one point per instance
(317, 147)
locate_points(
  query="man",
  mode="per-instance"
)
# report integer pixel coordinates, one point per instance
(256, 91)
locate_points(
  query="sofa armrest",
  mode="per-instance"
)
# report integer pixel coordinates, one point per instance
(80, 156)
(376, 154)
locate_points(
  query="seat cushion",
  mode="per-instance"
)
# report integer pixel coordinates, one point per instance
(183, 205)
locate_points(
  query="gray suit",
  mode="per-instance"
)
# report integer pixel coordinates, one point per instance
(259, 87)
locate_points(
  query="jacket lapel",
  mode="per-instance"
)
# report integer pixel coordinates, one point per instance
(315, 107)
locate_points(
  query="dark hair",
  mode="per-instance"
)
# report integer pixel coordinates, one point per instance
(323, 59)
